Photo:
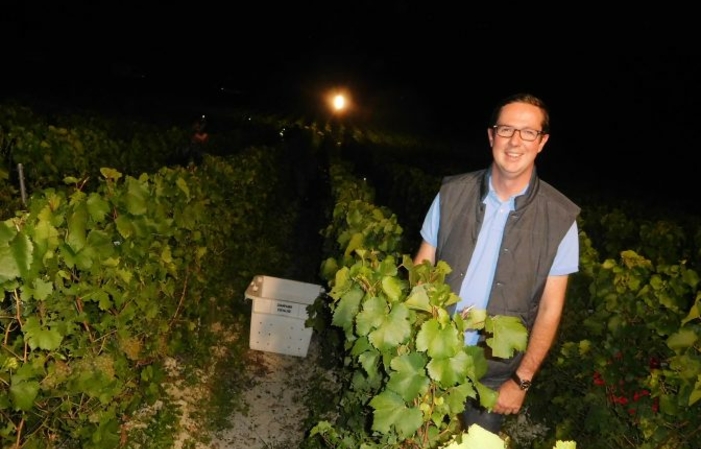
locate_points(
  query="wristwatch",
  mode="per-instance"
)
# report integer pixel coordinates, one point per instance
(523, 384)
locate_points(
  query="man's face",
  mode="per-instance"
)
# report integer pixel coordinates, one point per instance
(514, 156)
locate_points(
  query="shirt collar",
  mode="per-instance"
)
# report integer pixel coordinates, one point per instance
(493, 194)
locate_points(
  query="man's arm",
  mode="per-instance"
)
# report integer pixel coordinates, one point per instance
(540, 341)
(426, 252)
(545, 326)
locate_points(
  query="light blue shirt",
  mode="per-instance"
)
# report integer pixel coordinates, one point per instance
(477, 283)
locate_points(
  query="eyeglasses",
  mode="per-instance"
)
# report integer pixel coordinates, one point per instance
(527, 134)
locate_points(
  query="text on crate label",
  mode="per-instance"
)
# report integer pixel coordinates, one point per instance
(284, 308)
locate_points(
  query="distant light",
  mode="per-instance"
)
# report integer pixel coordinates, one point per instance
(339, 101)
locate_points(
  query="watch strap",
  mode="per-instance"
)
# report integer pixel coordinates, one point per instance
(523, 384)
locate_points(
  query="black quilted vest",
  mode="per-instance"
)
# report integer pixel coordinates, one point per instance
(532, 234)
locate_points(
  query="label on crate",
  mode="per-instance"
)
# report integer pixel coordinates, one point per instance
(284, 308)
(276, 307)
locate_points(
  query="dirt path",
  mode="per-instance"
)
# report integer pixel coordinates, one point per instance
(275, 403)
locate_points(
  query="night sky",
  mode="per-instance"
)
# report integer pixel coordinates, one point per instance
(623, 87)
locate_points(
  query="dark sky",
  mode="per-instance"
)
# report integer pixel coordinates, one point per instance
(623, 86)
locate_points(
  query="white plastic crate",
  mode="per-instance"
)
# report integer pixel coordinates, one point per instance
(278, 314)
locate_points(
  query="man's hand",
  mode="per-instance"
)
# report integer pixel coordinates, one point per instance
(510, 398)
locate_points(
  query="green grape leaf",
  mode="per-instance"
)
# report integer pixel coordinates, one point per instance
(39, 290)
(137, 197)
(388, 267)
(395, 328)
(15, 252)
(166, 255)
(509, 335)
(347, 308)
(392, 287)
(418, 299)
(372, 316)
(696, 392)
(182, 185)
(478, 437)
(84, 259)
(98, 208)
(110, 173)
(125, 275)
(409, 377)
(369, 360)
(101, 297)
(45, 237)
(390, 410)
(487, 396)
(478, 362)
(23, 394)
(329, 267)
(475, 319)
(691, 278)
(451, 371)
(456, 396)
(694, 312)
(39, 337)
(442, 269)
(682, 340)
(76, 222)
(361, 345)
(439, 343)
(356, 241)
(125, 226)
(342, 283)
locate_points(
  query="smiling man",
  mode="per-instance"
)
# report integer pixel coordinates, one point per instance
(511, 240)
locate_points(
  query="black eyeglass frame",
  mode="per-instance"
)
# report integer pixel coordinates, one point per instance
(538, 133)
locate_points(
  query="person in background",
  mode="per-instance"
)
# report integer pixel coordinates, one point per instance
(511, 240)
(199, 128)
(192, 153)
(199, 139)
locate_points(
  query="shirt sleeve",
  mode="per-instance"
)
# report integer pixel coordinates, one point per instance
(567, 257)
(429, 229)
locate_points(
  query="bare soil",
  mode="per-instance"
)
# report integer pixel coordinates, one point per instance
(274, 406)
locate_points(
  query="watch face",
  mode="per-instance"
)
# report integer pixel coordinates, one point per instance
(522, 383)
